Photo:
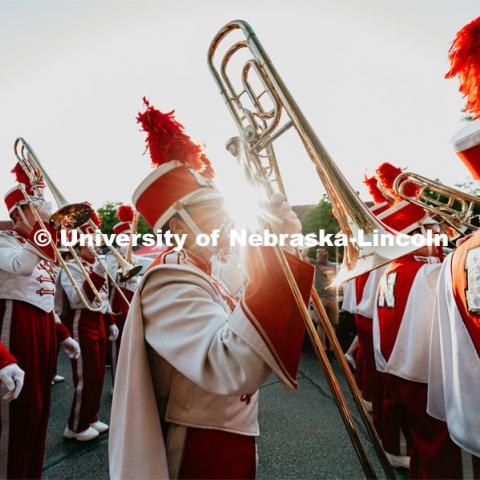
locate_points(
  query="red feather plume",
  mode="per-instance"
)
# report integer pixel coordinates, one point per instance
(125, 213)
(387, 173)
(464, 56)
(22, 177)
(373, 190)
(166, 141)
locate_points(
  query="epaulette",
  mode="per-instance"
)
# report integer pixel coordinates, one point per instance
(7, 233)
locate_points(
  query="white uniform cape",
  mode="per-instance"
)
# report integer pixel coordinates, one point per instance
(211, 354)
(410, 355)
(454, 374)
(364, 306)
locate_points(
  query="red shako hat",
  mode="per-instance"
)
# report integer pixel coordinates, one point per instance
(182, 175)
(380, 200)
(466, 143)
(16, 196)
(401, 215)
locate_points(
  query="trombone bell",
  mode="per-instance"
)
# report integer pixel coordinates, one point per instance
(127, 274)
(371, 258)
(126, 269)
(70, 216)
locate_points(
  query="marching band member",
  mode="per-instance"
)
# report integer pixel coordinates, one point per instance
(401, 330)
(454, 368)
(361, 300)
(89, 329)
(125, 214)
(192, 357)
(29, 335)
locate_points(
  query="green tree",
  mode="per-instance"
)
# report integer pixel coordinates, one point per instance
(320, 217)
(108, 215)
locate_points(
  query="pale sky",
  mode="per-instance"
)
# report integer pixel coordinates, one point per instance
(368, 75)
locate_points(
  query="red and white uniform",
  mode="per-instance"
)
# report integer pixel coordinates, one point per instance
(30, 331)
(401, 331)
(371, 380)
(89, 330)
(192, 357)
(119, 307)
(363, 292)
(454, 368)
(195, 358)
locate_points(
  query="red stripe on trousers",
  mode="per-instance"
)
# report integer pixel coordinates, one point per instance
(33, 342)
(92, 340)
(212, 454)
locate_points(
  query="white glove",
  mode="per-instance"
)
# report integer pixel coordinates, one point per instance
(71, 348)
(114, 331)
(12, 378)
(98, 268)
(279, 214)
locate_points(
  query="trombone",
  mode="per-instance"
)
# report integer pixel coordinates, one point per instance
(133, 231)
(454, 208)
(126, 269)
(259, 128)
(110, 276)
(68, 215)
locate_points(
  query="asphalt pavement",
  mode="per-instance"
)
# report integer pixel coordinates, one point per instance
(302, 435)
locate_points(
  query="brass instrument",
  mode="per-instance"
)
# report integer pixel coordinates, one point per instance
(259, 128)
(115, 285)
(126, 270)
(125, 265)
(133, 231)
(67, 216)
(450, 206)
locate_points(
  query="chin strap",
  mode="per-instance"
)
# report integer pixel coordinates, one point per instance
(196, 229)
(189, 221)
